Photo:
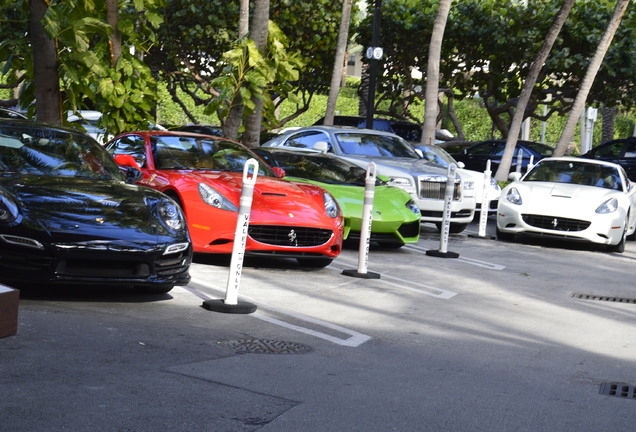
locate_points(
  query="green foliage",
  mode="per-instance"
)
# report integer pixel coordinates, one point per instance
(124, 90)
(248, 75)
(488, 48)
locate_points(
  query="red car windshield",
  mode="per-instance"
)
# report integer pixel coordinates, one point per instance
(202, 153)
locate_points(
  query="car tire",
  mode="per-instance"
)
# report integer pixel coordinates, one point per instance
(620, 246)
(155, 289)
(314, 262)
(455, 228)
(504, 236)
(391, 245)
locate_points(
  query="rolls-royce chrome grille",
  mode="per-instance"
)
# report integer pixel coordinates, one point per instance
(292, 236)
(437, 190)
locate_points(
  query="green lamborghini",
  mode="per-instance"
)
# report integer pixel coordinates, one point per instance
(396, 217)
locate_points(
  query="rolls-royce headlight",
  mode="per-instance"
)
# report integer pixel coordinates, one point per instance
(403, 183)
(331, 206)
(413, 207)
(609, 206)
(8, 210)
(215, 199)
(514, 197)
(171, 215)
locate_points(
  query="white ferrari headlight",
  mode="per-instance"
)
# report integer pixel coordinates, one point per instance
(609, 206)
(514, 197)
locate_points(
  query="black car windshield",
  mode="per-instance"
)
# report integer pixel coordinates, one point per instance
(37, 150)
(542, 149)
(322, 168)
(582, 173)
(197, 153)
(367, 144)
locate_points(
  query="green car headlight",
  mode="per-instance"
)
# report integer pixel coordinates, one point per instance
(413, 207)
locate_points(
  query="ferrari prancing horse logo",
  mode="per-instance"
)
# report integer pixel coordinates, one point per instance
(293, 238)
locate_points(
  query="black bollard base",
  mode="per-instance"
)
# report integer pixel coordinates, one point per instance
(487, 237)
(355, 273)
(439, 254)
(221, 306)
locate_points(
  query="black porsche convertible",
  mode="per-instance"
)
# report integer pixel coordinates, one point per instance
(68, 216)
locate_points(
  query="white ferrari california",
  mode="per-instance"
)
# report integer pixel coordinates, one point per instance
(572, 199)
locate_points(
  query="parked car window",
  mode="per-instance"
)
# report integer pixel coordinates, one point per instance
(481, 149)
(408, 132)
(576, 173)
(307, 139)
(542, 149)
(41, 151)
(630, 150)
(130, 145)
(179, 152)
(375, 145)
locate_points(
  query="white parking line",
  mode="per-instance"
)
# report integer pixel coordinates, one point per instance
(404, 284)
(465, 260)
(355, 338)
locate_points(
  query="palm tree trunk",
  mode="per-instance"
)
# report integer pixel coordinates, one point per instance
(432, 73)
(588, 79)
(338, 67)
(45, 77)
(260, 20)
(535, 69)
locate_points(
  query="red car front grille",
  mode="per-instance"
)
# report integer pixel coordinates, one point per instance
(292, 236)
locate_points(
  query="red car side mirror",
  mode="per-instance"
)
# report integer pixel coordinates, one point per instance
(280, 172)
(127, 161)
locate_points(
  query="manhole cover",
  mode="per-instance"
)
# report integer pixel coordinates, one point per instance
(265, 346)
(604, 298)
(619, 390)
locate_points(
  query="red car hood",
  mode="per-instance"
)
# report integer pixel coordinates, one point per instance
(274, 200)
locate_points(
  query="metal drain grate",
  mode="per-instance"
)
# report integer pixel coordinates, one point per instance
(619, 390)
(265, 346)
(604, 298)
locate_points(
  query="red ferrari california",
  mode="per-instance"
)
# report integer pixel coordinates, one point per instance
(204, 175)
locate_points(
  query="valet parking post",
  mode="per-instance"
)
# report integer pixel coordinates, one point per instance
(231, 303)
(444, 232)
(365, 229)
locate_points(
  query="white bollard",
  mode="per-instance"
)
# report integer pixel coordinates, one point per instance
(485, 202)
(519, 160)
(446, 217)
(365, 228)
(231, 304)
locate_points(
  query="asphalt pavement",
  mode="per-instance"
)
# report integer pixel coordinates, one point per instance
(506, 337)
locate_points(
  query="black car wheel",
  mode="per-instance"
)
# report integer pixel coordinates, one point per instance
(620, 246)
(504, 236)
(155, 289)
(455, 228)
(314, 262)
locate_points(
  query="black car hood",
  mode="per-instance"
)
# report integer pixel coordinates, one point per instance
(71, 208)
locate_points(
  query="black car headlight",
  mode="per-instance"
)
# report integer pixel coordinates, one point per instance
(214, 198)
(170, 214)
(8, 210)
(331, 206)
